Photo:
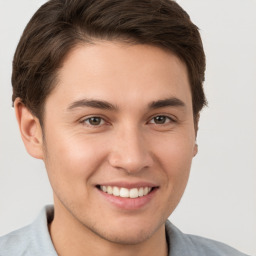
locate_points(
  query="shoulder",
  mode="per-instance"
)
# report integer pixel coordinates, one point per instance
(16, 242)
(191, 245)
(212, 247)
(31, 240)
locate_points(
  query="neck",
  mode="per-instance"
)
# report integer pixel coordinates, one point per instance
(73, 238)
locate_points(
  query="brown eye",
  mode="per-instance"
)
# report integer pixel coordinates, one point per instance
(160, 119)
(94, 121)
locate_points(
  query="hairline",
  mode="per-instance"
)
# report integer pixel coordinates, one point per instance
(89, 41)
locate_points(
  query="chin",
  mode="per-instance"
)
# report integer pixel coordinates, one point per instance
(126, 234)
(123, 237)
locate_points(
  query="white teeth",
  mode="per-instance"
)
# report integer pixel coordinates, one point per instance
(103, 188)
(116, 191)
(141, 192)
(145, 191)
(109, 190)
(134, 193)
(125, 192)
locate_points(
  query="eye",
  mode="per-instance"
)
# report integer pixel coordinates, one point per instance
(161, 120)
(93, 121)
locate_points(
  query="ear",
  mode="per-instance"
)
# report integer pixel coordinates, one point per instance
(196, 121)
(195, 150)
(30, 129)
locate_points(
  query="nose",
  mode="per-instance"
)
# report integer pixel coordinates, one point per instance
(130, 151)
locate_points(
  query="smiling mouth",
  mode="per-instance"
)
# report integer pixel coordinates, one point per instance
(125, 192)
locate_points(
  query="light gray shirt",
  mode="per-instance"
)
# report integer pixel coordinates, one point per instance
(35, 240)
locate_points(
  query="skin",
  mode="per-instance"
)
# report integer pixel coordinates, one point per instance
(126, 144)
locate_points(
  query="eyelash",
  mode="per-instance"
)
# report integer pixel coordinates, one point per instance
(93, 117)
(102, 121)
(170, 119)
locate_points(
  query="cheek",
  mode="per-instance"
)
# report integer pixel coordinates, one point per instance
(71, 160)
(175, 155)
(176, 151)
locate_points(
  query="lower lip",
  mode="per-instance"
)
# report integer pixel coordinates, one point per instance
(129, 203)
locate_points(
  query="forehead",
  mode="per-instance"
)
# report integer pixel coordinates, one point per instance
(121, 73)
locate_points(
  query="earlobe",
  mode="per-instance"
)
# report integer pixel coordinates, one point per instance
(30, 129)
(195, 150)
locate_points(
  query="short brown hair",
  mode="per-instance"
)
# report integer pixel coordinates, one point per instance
(59, 25)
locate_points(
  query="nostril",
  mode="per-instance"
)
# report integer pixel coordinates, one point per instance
(130, 157)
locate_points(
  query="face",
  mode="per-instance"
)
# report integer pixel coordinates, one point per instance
(119, 139)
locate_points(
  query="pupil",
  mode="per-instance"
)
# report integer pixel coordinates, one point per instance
(94, 120)
(160, 119)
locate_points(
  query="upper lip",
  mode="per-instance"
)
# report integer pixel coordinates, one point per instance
(128, 185)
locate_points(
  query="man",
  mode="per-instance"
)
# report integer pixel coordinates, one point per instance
(108, 94)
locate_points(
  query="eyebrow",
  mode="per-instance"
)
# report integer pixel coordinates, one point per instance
(170, 102)
(101, 104)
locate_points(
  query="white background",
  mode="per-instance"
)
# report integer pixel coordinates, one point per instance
(220, 200)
